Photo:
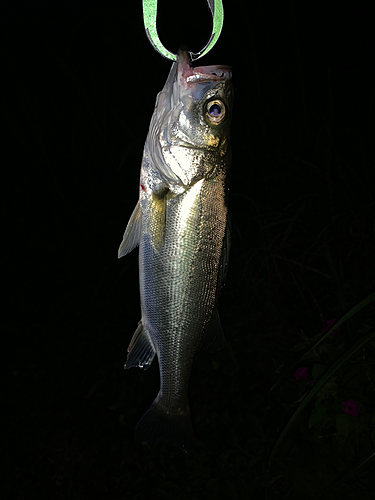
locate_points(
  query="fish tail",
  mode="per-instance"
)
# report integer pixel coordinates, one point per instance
(160, 426)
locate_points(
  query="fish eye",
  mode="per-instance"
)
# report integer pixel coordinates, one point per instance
(215, 111)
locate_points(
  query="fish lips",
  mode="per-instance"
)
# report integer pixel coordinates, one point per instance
(183, 78)
(187, 74)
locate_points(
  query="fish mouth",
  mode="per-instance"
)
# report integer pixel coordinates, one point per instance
(187, 74)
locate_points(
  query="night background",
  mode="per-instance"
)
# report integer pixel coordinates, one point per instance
(80, 85)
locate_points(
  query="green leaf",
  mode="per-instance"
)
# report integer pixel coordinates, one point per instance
(355, 471)
(317, 414)
(320, 383)
(344, 424)
(329, 389)
(305, 482)
(349, 314)
(318, 370)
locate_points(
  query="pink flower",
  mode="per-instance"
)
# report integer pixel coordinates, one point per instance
(301, 372)
(350, 407)
(329, 324)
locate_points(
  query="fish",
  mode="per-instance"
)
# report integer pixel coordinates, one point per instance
(182, 227)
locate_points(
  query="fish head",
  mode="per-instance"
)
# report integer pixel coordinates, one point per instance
(189, 131)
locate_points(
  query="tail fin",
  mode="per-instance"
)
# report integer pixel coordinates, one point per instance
(159, 426)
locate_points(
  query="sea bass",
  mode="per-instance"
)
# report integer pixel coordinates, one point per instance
(181, 225)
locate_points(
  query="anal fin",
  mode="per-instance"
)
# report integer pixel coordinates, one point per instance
(141, 350)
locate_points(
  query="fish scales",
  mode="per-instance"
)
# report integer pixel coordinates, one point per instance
(181, 226)
(178, 314)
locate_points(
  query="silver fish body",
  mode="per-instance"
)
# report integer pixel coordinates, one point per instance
(181, 226)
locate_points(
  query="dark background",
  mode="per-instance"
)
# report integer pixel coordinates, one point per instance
(80, 85)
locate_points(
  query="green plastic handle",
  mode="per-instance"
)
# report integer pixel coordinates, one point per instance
(150, 8)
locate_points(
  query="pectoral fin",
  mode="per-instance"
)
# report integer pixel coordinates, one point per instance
(141, 350)
(157, 216)
(214, 338)
(132, 233)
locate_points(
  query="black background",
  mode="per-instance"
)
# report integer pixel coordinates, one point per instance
(80, 85)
